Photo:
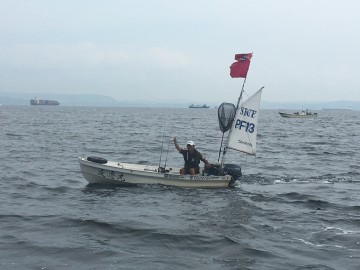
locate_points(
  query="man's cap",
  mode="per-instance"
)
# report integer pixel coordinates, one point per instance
(190, 143)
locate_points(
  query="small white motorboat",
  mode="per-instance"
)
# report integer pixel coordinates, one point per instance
(241, 122)
(302, 114)
(98, 170)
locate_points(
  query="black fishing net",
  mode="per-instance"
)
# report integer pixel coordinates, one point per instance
(226, 114)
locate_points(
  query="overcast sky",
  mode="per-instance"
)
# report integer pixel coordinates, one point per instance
(157, 50)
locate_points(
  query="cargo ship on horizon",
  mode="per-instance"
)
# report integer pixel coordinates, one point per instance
(36, 101)
(199, 106)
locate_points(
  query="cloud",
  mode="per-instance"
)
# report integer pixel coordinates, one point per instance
(88, 56)
(166, 58)
(84, 55)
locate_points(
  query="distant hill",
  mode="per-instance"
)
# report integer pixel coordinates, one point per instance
(7, 98)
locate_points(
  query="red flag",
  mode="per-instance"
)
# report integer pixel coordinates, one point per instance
(243, 56)
(239, 69)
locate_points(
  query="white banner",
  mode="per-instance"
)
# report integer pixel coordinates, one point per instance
(243, 132)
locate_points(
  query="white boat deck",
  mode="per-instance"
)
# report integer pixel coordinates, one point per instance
(139, 167)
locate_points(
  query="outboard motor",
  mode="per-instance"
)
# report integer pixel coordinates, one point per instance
(231, 169)
(234, 170)
(215, 169)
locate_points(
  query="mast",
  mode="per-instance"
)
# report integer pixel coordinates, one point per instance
(238, 70)
(241, 93)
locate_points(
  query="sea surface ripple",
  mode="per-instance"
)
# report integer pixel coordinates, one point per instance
(296, 207)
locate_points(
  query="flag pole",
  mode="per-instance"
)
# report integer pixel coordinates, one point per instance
(241, 93)
(227, 139)
(237, 107)
(243, 85)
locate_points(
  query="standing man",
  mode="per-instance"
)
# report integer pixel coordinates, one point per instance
(192, 158)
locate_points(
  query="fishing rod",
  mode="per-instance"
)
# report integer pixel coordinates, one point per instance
(162, 143)
(171, 128)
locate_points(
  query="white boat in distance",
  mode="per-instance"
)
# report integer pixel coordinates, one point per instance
(302, 114)
(240, 120)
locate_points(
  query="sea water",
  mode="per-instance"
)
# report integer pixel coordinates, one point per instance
(296, 207)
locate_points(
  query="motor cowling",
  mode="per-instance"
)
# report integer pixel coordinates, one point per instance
(231, 169)
(234, 170)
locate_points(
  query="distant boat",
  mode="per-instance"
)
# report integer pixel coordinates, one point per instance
(193, 106)
(302, 114)
(37, 101)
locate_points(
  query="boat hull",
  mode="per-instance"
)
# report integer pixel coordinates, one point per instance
(125, 174)
(294, 115)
